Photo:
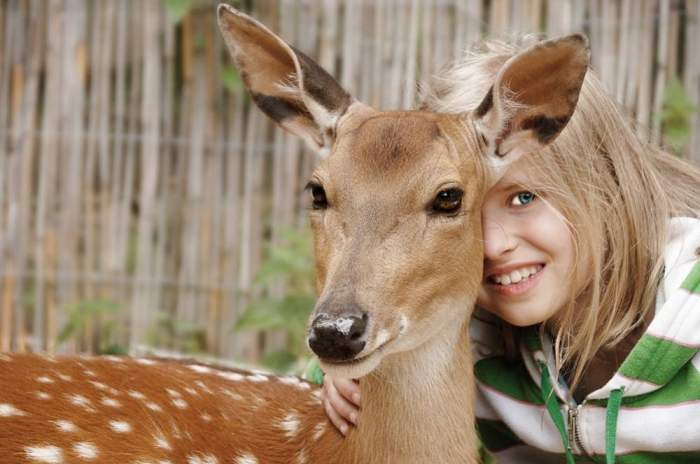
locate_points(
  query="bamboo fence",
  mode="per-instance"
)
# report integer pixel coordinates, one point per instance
(129, 171)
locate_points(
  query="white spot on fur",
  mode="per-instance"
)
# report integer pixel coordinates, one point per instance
(290, 424)
(202, 459)
(65, 426)
(232, 395)
(116, 359)
(202, 386)
(5, 358)
(191, 391)
(85, 450)
(257, 378)
(179, 403)
(65, 378)
(173, 393)
(99, 385)
(44, 379)
(111, 402)
(120, 426)
(234, 376)
(319, 430)
(382, 337)
(302, 457)
(294, 381)
(7, 410)
(206, 417)
(45, 454)
(317, 395)
(153, 406)
(200, 369)
(246, 458)
(161, 442)
(136, 395)
(80, 400)
(146, 362)
(89, 373)
(42, 395)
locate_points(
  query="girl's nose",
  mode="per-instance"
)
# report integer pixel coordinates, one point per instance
(498, 240)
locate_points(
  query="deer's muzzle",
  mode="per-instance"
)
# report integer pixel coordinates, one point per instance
(338, 337)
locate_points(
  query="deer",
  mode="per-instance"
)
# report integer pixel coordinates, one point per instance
(395, 215)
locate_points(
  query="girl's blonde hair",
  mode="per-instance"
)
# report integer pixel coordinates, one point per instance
(616, 191)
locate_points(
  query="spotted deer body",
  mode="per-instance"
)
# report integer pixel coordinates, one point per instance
(397, 236)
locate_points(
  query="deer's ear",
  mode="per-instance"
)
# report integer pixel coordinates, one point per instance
(532, 98)
(287, 85)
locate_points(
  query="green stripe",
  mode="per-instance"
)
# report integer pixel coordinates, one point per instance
(496, 435)
(692, 282)
(632, 458)
(508, 377)
(685, 386)
(658, 458)
(531, 337)
(656, 360)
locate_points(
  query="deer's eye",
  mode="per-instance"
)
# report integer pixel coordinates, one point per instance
(318, 196)
(448, 201)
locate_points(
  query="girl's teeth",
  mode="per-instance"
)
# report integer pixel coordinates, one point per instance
(516, 277)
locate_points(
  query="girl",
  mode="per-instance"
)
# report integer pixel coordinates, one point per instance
(588, 329)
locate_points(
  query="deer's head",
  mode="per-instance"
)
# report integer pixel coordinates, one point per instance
(396, 200)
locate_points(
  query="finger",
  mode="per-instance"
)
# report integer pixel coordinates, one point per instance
(343, 407)
(348, 389)
(335, 418)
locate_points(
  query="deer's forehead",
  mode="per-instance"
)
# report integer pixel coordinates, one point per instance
(391, 144)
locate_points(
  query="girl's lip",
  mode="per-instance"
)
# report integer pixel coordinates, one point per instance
(519, 288)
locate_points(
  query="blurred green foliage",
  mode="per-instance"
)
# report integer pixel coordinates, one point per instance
(178, 335)
(177, 9)
(231, 79)
(288, 264)
(675, 115)
(102, 312)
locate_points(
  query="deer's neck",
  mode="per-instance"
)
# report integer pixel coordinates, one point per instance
(419, 407)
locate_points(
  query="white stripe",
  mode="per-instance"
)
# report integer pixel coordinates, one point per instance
(633, 387)
(652, 428)
(531, 423)
(696, 362)
(482, 408)
(679, 319)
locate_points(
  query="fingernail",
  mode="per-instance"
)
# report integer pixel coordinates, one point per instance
(344, 429)
(353, 417)
(356, 398)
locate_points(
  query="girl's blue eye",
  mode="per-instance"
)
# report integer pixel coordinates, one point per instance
(522, 198)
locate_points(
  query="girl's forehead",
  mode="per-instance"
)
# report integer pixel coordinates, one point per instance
(519, 174)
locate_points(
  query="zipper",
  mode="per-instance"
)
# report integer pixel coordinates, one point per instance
(574, 432)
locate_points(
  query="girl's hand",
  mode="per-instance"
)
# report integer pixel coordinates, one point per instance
(341, 400)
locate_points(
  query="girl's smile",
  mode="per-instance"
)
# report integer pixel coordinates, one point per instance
(514, 282)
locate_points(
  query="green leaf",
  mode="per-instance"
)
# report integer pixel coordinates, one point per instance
(177, 9)
(675, 115)
(231, 79)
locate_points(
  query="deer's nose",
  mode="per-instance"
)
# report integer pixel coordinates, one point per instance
(338, 337)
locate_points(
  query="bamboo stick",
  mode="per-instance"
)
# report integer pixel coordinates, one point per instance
(141, 314)
(661, 68)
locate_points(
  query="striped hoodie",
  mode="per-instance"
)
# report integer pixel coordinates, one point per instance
(648, 412)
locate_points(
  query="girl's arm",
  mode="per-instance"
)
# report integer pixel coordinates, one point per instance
(341, 400)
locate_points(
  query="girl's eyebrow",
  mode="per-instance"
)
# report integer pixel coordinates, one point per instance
(509, 185)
